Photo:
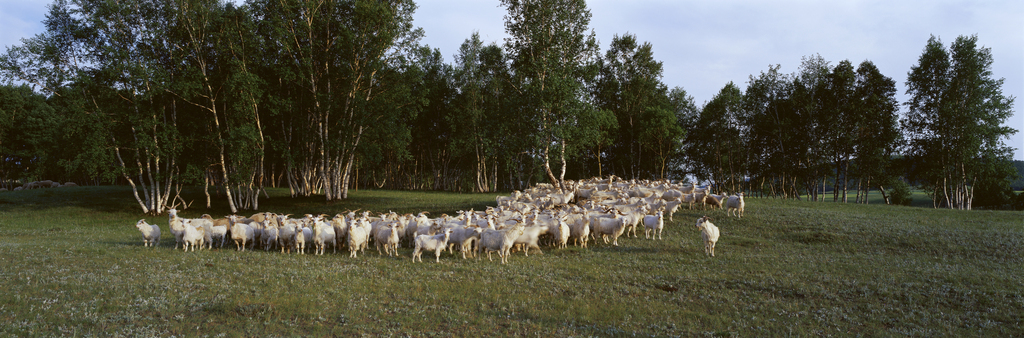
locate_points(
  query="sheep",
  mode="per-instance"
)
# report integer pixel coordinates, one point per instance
(632, 219)
(193, 235)
(301, 239)
(214, 230)
(69, 184)
(562, 235)
(715, 201)
(709, 233)
(528, 239)
(654, 224)
(500, 241)
(357, 236)
(387, 236)
(322, 235)
(177, 228)
(609, 227)
(242, 233)
(464, 238)
(307, 236)
(579, 229)
(735, 202)
(286, 234)
(150, 233)
(694, 198)
(270, 232)
(340, 229)
(437, 243)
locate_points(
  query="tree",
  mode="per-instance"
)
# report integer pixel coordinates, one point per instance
(551, 51)
(716, 150)
(629, 85)
(875, 130)
(955, 122)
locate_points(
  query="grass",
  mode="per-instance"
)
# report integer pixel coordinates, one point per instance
(73, 264)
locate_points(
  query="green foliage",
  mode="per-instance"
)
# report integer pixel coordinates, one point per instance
(901, 194)
(551, 52)
(1018, 183)
(1018, 201)
(29, 135)
(954, 123)
(715, 148)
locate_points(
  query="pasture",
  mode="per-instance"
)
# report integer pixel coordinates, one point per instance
(72, 263)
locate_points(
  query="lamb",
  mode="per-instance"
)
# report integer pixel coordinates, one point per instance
(500, 241)
(735, 202)
(69, 184)
(708, 232)
(437, 243)
(358, 235)
(322, 235)
(301, 239)
(242, 233)
(654, 224)
(193, 235)
(150, 233)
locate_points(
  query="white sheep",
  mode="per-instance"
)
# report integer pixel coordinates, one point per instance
(270, 232)
(177, 228)
(437, 243)
(735, 203)
(387, 236)
(609, 227)
(654, 224)
(323, 234)
(528, 239)
(500, 241)
(242, 233)
(193, 236)
(562, 234)
(464, 238)
(358, 235)
(150, 233)
(579, 228)
(708, 232)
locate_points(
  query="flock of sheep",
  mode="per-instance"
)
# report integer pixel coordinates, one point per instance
(524, 220)
(42, 184)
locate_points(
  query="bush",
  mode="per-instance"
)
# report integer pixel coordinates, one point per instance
(900, 193)
(1018, 202)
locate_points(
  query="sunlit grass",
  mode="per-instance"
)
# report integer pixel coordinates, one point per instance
(72, 263)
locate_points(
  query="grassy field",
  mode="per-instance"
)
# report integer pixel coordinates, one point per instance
(72, 263)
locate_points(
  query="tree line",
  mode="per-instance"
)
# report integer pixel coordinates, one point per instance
(324, 96)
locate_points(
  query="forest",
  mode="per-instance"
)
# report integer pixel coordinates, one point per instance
(326, 96)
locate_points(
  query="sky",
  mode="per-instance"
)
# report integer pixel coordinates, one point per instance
(704, 45)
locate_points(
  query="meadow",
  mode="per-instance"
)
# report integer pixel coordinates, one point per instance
(73, 264)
